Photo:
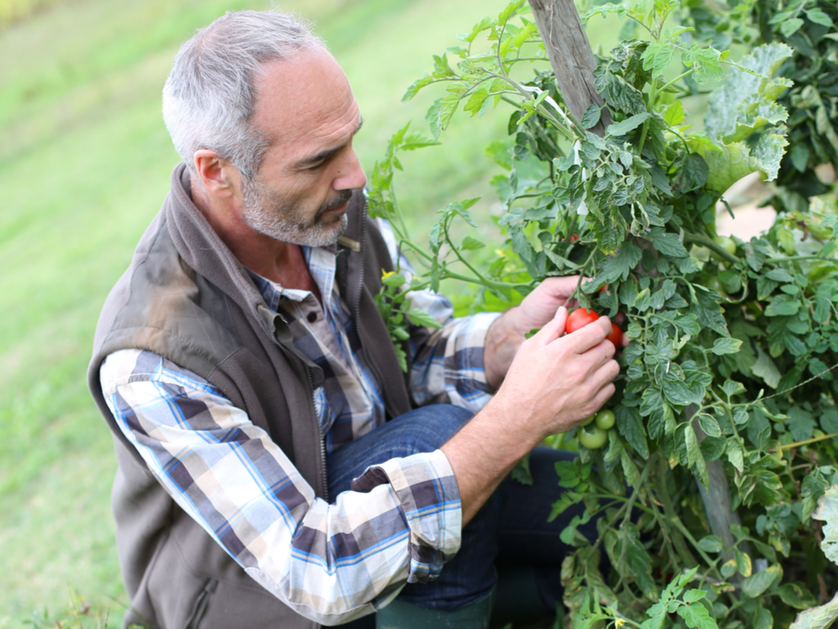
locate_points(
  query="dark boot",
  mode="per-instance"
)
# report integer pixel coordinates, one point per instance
(399, 615)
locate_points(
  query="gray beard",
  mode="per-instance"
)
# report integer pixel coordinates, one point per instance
(268, 214)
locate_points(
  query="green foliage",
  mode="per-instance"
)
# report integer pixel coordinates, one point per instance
(732, 343)
(808, 27)
(395, 308)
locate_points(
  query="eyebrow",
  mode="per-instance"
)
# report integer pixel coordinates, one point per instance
(324, 155)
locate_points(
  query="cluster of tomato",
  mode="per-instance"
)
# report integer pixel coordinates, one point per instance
(584, 316)
(593, 432)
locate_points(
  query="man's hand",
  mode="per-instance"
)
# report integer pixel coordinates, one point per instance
(560, 379)
(555, 381)
(508, 332)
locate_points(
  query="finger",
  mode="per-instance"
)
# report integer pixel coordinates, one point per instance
(598, 398)
(604, 394)
(564, 285)
(597, 367)
(554, 328)
(602, 353)
(605, 374)
(590, 336)
(560, 288)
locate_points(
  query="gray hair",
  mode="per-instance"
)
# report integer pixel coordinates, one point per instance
(209, 96)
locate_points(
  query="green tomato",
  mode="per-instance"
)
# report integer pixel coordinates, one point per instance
(605, 419)
(592, 437)
(726, 243)
(714, 283)
(588, 421)
(702, 254)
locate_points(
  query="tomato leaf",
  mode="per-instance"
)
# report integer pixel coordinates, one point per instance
(631, 428)
(422, 318)
(819, 617)
(521, 472)
(756, 584)
(621, 264)
(697, 617)
(827, 511)
(668, 243)
(470, 244)
(627, 125)
(710, 544)
(726, 346)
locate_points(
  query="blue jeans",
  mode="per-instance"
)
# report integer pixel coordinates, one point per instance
(510, 530)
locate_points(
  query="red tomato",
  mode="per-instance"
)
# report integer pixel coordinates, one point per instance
(579, 318)
(616, 335)
(574, 238)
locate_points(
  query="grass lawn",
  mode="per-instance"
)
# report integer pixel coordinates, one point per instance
(84, 166)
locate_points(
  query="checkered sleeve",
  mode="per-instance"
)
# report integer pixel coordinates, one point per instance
(450, 364)
(447, 366)
(330, 562)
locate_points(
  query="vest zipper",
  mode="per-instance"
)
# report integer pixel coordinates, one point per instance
(358, 313)
(201, 604)
(325, 484)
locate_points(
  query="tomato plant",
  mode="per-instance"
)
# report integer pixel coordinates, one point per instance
(725, 419)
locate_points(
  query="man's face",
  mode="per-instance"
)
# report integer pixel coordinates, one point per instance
(306, 109)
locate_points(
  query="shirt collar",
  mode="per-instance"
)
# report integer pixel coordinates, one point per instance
(321, 263)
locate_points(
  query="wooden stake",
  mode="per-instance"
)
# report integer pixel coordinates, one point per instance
(716, 500)
(571, 56)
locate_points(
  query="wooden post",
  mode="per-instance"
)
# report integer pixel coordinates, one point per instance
(571, 56)
(716, 498)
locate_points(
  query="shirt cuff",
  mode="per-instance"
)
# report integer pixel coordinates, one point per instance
(465, 370)
(427, 493)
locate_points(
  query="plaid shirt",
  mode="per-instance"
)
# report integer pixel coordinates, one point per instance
(330, 562)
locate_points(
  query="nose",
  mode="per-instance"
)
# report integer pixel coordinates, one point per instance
(350, 174)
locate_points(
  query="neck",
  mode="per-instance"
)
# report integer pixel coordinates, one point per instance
(280, 262)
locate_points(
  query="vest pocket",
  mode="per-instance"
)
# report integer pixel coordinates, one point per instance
(201, 604)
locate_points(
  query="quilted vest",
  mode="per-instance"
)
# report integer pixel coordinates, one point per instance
(187, 298)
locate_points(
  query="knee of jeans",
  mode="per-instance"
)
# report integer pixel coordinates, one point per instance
(430, 427)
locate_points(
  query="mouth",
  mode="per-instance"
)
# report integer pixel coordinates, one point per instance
(337, 210)
(338, 206)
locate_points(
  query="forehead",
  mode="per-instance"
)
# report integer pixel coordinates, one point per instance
(304, 101)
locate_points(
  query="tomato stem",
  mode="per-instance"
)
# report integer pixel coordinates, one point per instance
(798, 444)
(704, 241)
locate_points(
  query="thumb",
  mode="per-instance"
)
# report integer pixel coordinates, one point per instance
(554, 328)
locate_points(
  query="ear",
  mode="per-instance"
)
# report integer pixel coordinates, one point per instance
(217, 175)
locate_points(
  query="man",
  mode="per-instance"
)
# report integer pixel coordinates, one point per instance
(248, 379)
